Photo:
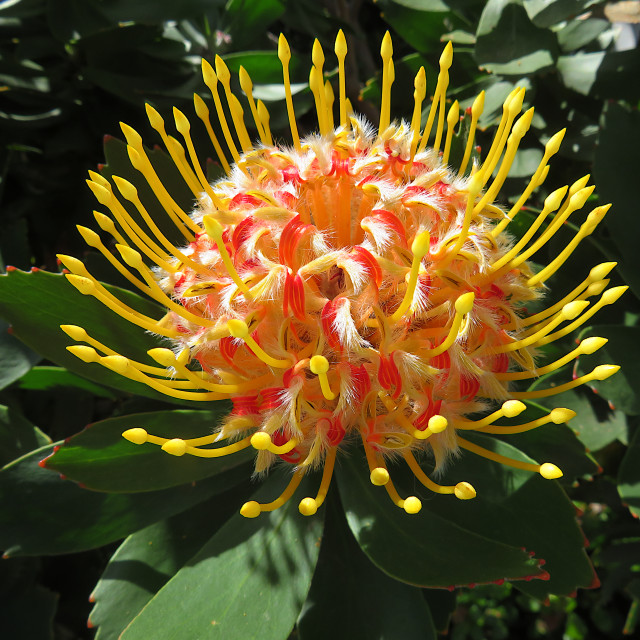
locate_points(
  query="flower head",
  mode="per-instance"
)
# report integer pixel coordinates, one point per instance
(352, 287)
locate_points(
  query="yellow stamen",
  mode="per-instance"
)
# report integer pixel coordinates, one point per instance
(546, 470)
(608, 297)
(510, 409)
(462, 490)
(309, 506)
(263, 114)
(239, 329)
(386, 52)
(601, 372)
(107, 224)
(261, 441)
(211, 80)
(557, 416)
(586, 228)
(411, 504)
(453, 118)
(588, 345)
(253, 509)
(436, 424)
(202, 111)
(284, 54)
(463, 305)
(378, 474)
(568, 312)
(215, 230)
(439, 96)
(476, 111)
(538, 177)
(247, 86)
(320, 366)
(419, 93)
(340, 49)
(419, 248)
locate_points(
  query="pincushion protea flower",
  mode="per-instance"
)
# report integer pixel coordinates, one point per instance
(350, 287)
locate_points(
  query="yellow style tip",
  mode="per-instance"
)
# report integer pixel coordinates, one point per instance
(126, 188)
(340, 47)
(610, 296)
(549, 471)
(130, 256)
(136, 435)
(84, 285)
(155, 119)
(74, 332)
(591, 345)
(131, 135)
(213, 228)
(222, 70)
(84, 353)
(319, 365)
(261, 441)
(165, 357)
(89, 236)
(571, 310)
(238, 328)
(317, 54)
(209, 75)
(412, 505)
(601, 271)
(560, 415)
(421, 244)
(379, 476)
(554, 142)
(446, 58)
(386, 48)
(119, 364)
(464, 303)
(553, 200)
(250, 509)
(437, 424)
(464, 491)
(175, 447)
(513, 408)
(245, 81)
(604, 371)
(284, 52)
(308, 506)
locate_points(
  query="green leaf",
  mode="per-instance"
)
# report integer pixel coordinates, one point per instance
(36, 304)
(248, 20)
(17, 435)
(623, 349)
(618, 147)
(53, 378)
(43, 514)
(507, 42)
(100, 458)
(545, 13)
(427, 549)
(148, 559)
(579, 33)
(580, 70)
(629, 476)
(350, 599)
(249, 581)
(476, 540)
(15, 358)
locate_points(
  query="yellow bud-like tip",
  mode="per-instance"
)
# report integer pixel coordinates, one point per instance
(601, 271)
(136, 435)
(119, 364)
(165, 357)
(126, 188)
(182, 122)
(412, 505)
(591, 345)
(379, 477)
(578, 199)
(420, 245)
(250, 509)
(105, 222)
(340, 47)
(130, 256)
(464, 491)
(284, 52)
(475, 184)
(318, 365)
(155, 119)
(317, 55)
(573, 309)
(554, 142)
(86, 354)
(560, 415)
(604, 371)
(478, 104)
(464, 303)
(73, 264)
(202, 111)
(610, 296)
(261, 441)
(213, 228)
(209, 75)
(549, 471)
(446, 58)
(553, 200)
(308, 507)
(74, 332)
(82, 284)
(222, 70)
(89, 236)
(513, 408)
(596, 288)
(437, 424)
(238, 328)
(176, 447)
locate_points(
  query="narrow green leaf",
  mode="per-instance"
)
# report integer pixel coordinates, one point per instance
(148, 559)
(249, 581)
(351, 599)
(100, 458)
(54, 378)
(429, 549)
(43, 514)
(15, 358)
